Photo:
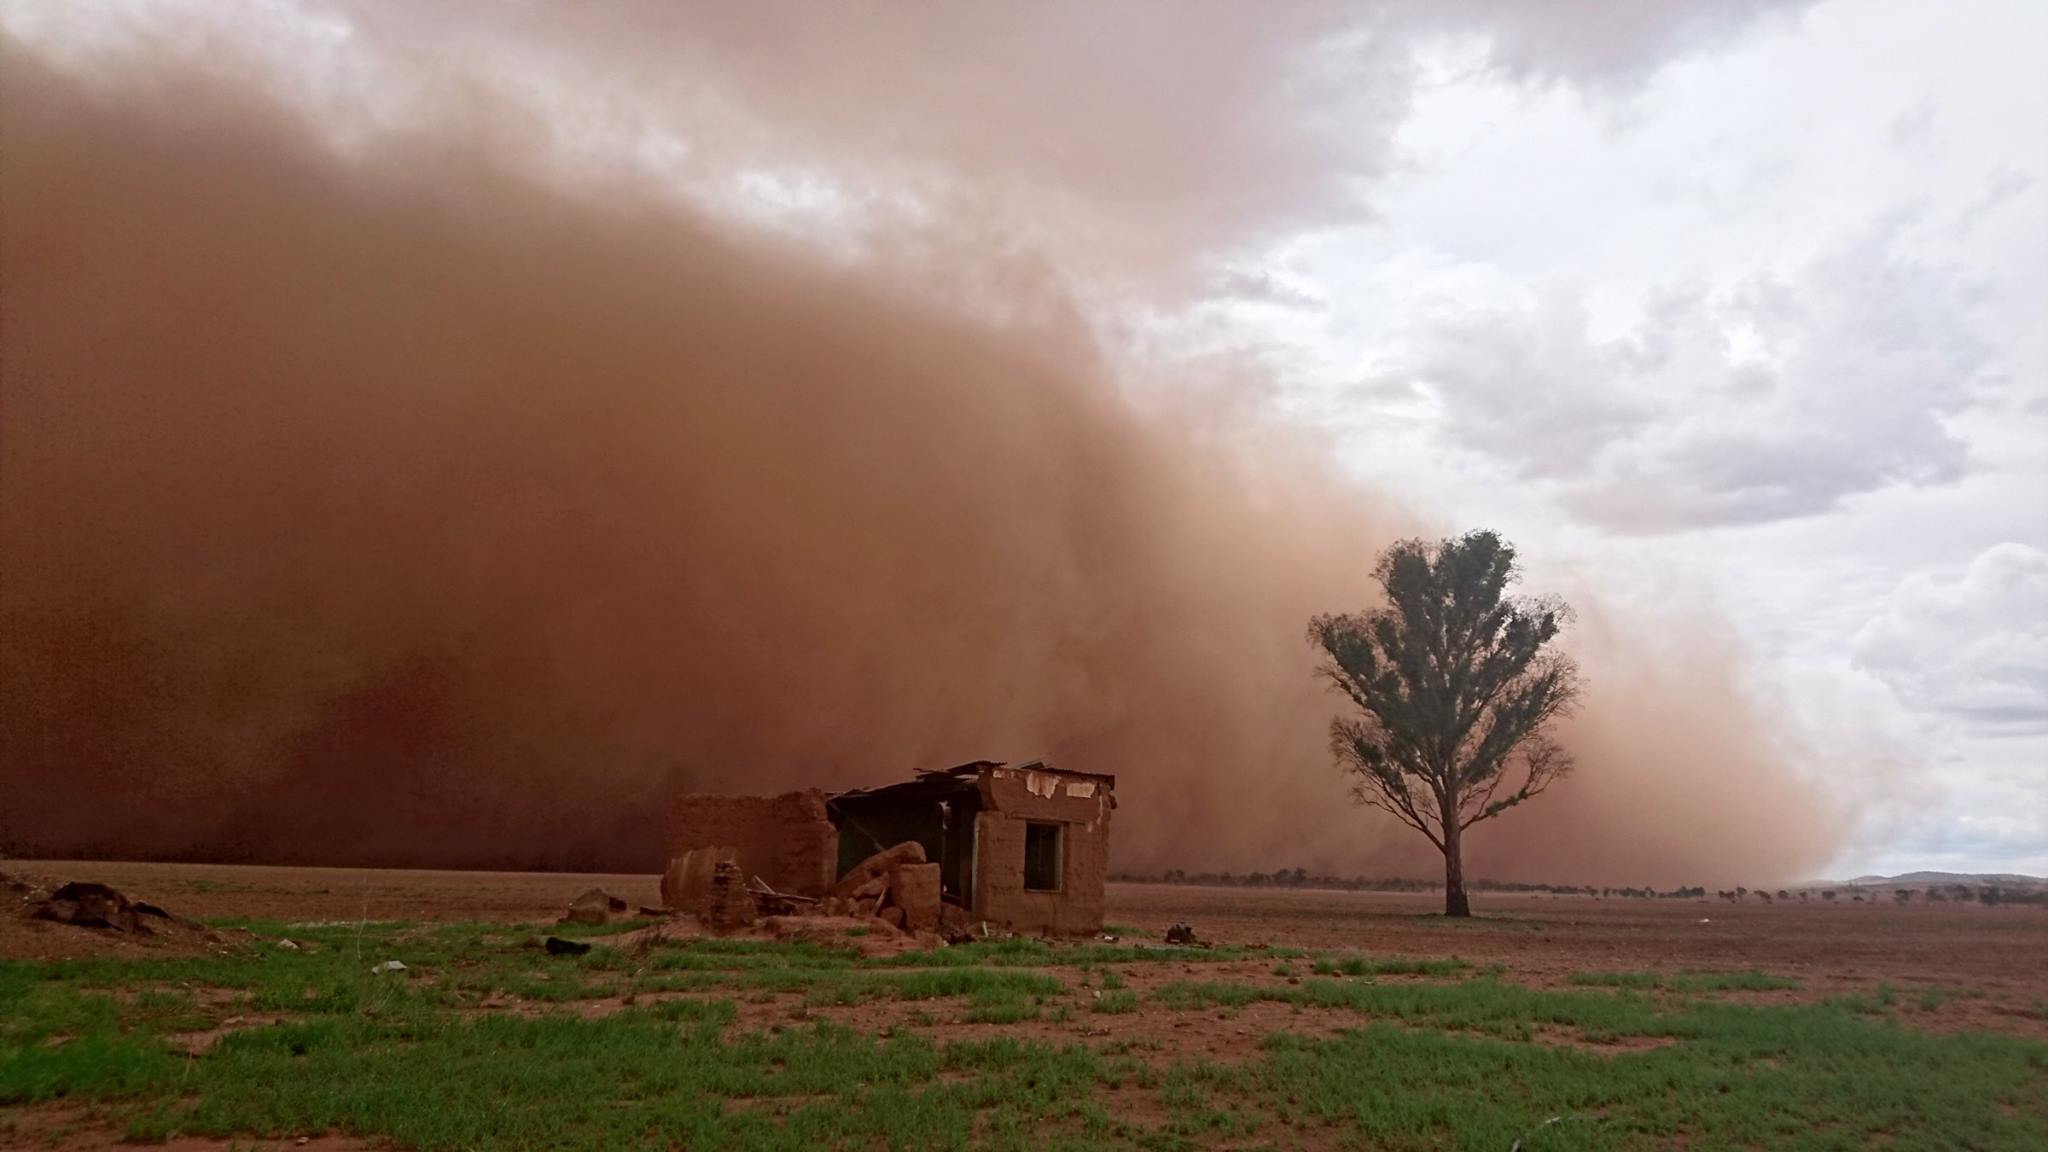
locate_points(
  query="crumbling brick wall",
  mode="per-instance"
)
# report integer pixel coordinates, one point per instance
(1013, 798)
(787, 840)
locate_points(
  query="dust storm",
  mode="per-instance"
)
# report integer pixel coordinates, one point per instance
(393, 505)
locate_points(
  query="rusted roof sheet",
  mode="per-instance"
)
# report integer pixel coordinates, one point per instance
(940, 783)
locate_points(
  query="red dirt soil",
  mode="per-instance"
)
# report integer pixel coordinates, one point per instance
(1993, 954)
(1986, 961)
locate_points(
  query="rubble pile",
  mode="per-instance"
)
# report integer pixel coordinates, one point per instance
(84, 904)
(105, 916)
(732, 904)
(895, 885)
(686, 883)
(594, 907)
(897, 888)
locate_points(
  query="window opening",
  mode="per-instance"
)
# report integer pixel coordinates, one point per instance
(1042, 858)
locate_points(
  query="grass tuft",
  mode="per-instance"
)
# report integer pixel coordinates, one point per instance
(1462, 1060)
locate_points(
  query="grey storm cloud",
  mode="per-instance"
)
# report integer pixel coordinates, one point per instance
(1973, 647)
(1594, 42)
(1778, 398)
(1137, 140)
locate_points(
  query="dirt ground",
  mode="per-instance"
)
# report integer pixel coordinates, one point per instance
(1538, 939)
(1541, 939)
(1986, 962)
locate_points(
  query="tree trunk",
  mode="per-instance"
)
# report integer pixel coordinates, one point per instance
(1454, 870)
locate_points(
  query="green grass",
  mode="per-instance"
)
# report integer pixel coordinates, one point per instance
(1817, 1079)
(1354, 964)
(1025, 952)
(1486, 1005)
(657, 1077)
(1636, 1061)
(1427, 1062)
(1931, 999)
(1638, 980)
(1115, 1003)
(1689, 982)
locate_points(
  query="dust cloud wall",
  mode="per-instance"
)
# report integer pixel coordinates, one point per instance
(400, 508)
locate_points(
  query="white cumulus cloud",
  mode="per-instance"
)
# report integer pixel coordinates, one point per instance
(1974, 647)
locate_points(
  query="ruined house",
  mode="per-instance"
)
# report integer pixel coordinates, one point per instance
(1023, 847)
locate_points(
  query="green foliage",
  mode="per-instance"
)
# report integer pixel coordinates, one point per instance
(1454, 684)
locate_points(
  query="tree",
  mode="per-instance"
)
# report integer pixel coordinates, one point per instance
(1455, 685)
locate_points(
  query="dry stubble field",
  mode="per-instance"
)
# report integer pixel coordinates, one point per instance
(1316, 1019)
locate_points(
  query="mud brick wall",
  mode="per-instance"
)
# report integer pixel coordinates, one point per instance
(1081, 806)
(786, 840)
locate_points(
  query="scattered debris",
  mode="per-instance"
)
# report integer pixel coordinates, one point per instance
(107, 919)
(84, 904)
(956, 924)
(20, 887)
(859, 879)
(1517, 1145)
(686, 884)
(593, 907)
(914, 888)
(897, 887)
(1181, 933)
(897, 891)
(1043, 832)
(773, 903)
(388, 966)
(556, 946)
(732, 903)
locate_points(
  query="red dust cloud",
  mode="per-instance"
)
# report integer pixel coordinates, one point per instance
(402, 508)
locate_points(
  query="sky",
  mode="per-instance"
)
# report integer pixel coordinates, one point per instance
(1763, 329)
(1735, 312)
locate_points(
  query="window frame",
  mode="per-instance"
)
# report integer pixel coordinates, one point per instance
(1058, 831)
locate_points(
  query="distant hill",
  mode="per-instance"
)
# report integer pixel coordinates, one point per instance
(1929, 879)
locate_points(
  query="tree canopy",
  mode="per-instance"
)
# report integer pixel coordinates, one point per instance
(1455, 684)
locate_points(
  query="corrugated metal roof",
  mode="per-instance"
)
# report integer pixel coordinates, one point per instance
(939, 783)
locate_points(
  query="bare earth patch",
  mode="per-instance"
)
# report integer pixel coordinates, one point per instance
(62, 1129)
